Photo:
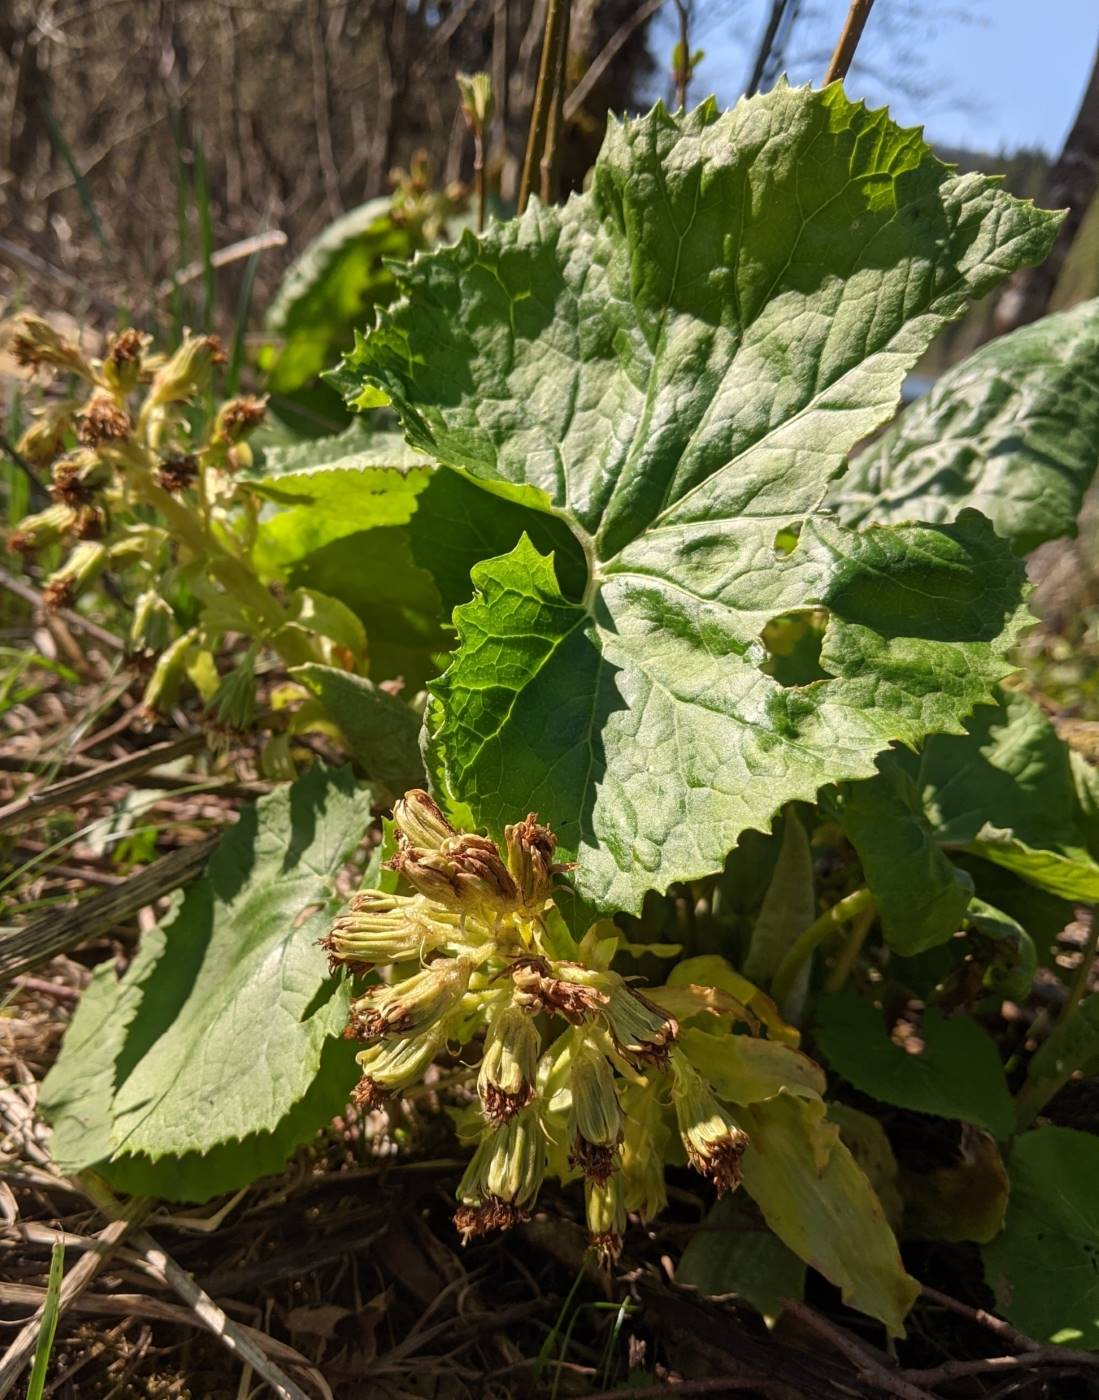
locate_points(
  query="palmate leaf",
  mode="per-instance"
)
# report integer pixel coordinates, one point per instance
(218, 1052)
(1044, 1267)
(676, 364)
(1012, 431)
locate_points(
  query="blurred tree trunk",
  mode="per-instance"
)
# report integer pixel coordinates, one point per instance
(1072, 183)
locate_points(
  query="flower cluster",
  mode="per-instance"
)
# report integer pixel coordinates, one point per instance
(580, 1073)
(145, 485)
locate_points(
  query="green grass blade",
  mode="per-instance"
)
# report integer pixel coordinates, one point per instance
(183, 229)
(64, 150)
(236, 355)
(48, 1328)
(206, 236)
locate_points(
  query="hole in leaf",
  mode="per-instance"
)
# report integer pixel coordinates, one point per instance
(787, 539)
(793, 642)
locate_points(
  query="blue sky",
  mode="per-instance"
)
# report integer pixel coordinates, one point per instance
(992, 75)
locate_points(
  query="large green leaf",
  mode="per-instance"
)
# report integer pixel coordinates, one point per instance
(1005, 790)
(821, 1205)
(1044, 1267)
(957, 1074)
(733, 1252)
(1012, 431)
(218, 1052)
(921, 898)
(675, 364)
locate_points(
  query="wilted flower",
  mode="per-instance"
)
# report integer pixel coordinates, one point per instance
(122, 363)
(505, 1081)
(152, 625)
(714, 1141)
(504, 1177)
(605, 1208)
(101, 421)
(392, 1065)
(188, 371)
(83, 566)
(543, 986)
(595, 1117)
(45, 438)
(384, 928)
(77, 477)
(412, 1005)
(641, 1031)
(465, 874)
(420, 820)
(530, 850)
(46, 527)
(177, 472)
(238, 417)
(36, 344)
(162, 690)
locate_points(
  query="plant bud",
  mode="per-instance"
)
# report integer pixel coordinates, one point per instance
(45, 438)
(83, 566)
(466, 875)
(162, 691)
(35, 532)
(504, 1177)
(643, 1143)
(384, 928)
(595, 1118)
(714, 1142)
(605, 1208)
(505, 1081)
(641, 1031)
(232, 707)
(101, 421)
(236, 418)
(122, 363)
(421, 821)
(393, 1065)
(475, 91)
(152, 626)
(77, 477)
(188, 371)
(530, 850)
(36, 344)
(410, 1006)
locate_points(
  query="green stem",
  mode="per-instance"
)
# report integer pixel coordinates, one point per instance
(849, 953)
(813, 936)
(1083, 972)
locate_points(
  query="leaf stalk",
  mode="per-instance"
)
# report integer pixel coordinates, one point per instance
(808, 941)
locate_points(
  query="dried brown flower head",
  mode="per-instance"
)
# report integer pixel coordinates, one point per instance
(102, 421)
